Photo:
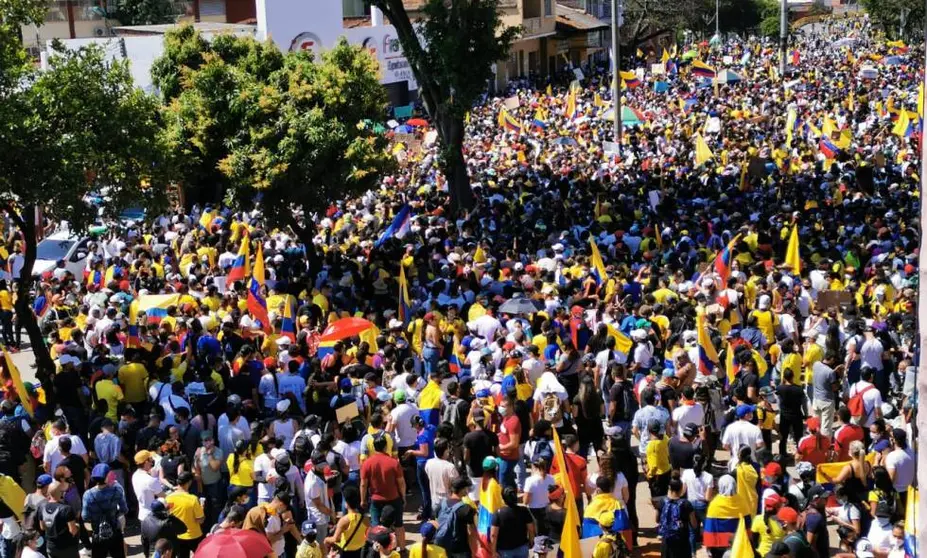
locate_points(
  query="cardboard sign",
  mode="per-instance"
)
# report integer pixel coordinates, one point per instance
(727, 60)
(404, 138)
(610, 147)
(512, 102)
(658, 69)
(347, 412)
(431, 137)
(579, 74)
(833, 300)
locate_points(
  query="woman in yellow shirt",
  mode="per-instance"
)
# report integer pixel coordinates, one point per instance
(426, 548)
(241, 469)
(351, 530)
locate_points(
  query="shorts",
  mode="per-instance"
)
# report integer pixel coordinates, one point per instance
(386, 513)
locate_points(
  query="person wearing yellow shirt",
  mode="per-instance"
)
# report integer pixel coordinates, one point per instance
(6, 314)
(107, 390)
(133, 377)
(478, 309)
(789, 359)
(658, 463)
(321, 299)
(765, 527)
(426, 547)
(186, 507)
(765, 319)
(664, 293)
(813, 353)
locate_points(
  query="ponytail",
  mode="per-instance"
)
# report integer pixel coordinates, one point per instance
(235, 463)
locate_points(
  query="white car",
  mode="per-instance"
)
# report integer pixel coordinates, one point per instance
(62, 245)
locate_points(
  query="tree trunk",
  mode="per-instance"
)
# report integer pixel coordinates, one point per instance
(45, 366)
(455, 167)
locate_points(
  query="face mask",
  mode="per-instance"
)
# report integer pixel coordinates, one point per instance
(503, 410)
(876, 437)
(40, 541)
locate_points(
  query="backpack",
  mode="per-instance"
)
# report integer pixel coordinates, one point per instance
(885, 506)
(857, 405)
(551, 409)
(626, 403)
(104, 531)
(302, 447)
(539, 448)
(447, 521)
(671, 522)
(456, 414)
(30, 518)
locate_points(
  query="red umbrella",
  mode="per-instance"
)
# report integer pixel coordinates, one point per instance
(416, 122)
(344, 328)
(240, 543)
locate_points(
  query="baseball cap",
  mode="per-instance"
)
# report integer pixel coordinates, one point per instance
(813, 424)
(772, 469)
(142, 457)
(399, 396)
(100, 471)
(490, 462)
(773, 501)
(44, 480)
(308, 528)
(690, 430)
(345, 383)
(818, 491)
(787, 515)
(744, 410)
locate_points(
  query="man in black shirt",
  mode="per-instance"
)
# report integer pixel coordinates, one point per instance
(478, 444)
(59, 522)
(792, 411)
(463, 538)
(153, 430)
(683, 448)
(75, 464)
(512, 525)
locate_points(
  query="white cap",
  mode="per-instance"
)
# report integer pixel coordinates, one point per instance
(763, 302)
(283, 341)
(394, 324)
(283, 405)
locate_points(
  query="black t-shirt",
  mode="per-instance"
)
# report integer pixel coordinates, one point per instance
(465, 516)
(145, 435)
(681, 453)
(667, 394)
(555, 520)
(798, 545)
(750, 380)
(56, 517)
(615, 395)
(523, 412)
(77, 466)
(67, 381)
(513, 527)
(791, 401)
(480, 444)
(817, 524)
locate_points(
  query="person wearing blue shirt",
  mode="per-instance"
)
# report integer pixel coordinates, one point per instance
(423, 451)
(290, 382)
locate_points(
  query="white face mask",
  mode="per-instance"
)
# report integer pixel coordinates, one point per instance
(503, 410)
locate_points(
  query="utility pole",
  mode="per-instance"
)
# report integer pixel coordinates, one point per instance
(783, 36)
(717, 20)
(616, 71)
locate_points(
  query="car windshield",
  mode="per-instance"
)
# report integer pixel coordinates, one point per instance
(53, 249)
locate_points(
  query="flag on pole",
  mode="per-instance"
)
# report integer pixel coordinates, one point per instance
(665, 58)
(257, 304)
(707, 355)
(569, 538)
(792, 256)
(790, 126)
(17, 380)
(241, 267)
(571, 111)
(827, 147)
(399, 227)
(702, 153)
(630, 79)
(511, 123)
(595, 259)
(288, 327)
(701, 69)
(741, 547)
(405, 306)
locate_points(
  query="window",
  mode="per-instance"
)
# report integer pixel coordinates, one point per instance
(531, 9)
(355, 8)
(87, 10)
(548, 8)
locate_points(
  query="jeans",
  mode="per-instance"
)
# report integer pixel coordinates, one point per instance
(695, 535)
(376, 508)
(520, 552)
(425, 488)
(215, 500)
(521, 469)
(430, 357)
(507, 472)
(6, 323)
(789, 425)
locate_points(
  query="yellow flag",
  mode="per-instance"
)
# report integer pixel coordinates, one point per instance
(790, 126)
(920, 101)
(851, 102)
(597, 100)
(741, 547)
(520, 156)
(18, 383)
(665, 58)
(550, 91)
(829, 127)
(901, 125)
(640, 53)
(792, 256)
(845, 139)
(479, 256)
(569, 538)
(702, 153)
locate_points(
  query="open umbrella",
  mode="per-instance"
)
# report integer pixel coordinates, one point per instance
(344, 328)
(519, 306)
(846, 41)
(629, 116)
(416, 122)
(404, 129)
(240, 543)
(868, 72)
(690, 54)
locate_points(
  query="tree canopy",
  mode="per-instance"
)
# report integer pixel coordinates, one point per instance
(143, 12)
(889, 14)
(250, 122)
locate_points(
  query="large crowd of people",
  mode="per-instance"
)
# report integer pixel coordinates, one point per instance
(733, 328)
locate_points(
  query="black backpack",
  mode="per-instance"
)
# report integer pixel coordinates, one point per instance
(626, 403)
(302, 447)
(456, 414)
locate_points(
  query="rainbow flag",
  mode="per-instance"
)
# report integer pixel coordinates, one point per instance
(911, 546)
(40, 305)
(490, 503)
(241, 267)
(595, 260)
(257, 304)
(606, 503)
(701, 69)
(288, 328)
(707, 355)
(721, 522)
(429, 403)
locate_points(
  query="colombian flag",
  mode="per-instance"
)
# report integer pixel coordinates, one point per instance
(707, 356)
(569, 537)
(241, 266)
(824, 475)
(95, 277)
(723, 262)
(490, 503)
(511, 123)
(429, 403)
(828, 148)
(911, 546)
(40, 306)
(701, 69)
(257, 304)
(288, 328)
(595, 260)
(747, 489)
(721, 522)
(741, 548)
(630, 79)
(606, 503)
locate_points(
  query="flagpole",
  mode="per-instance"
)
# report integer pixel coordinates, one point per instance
(922, 330)
(616, 68)
(783, 36)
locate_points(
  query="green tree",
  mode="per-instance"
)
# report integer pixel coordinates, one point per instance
(906, 16)
(451, 53)
(282, 128)
(143, 12)
(81, 127)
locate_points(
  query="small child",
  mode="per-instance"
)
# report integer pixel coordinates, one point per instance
(766, 415)
(309, 547)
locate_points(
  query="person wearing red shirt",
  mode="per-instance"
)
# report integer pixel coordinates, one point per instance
(576, 468)
(814, 447)
(509, 438)
(845, 434)
(381, 476)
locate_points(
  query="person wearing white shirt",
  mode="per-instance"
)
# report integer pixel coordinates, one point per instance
(147, 486)
(485, 326)
(741, 433)
(901, 465)
(52, 456)
(173, 402)
(532, 365)
(872, 399)
(400, 421)
(688, 411)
